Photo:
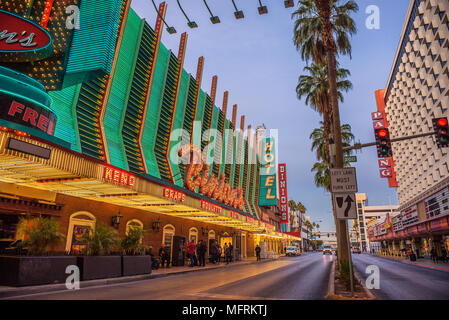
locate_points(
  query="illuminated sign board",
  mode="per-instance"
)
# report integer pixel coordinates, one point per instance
(198, 178)
(283, 192)
(22, 39)
(174, 195)
(206, 205)
(119, 176)
(29, 148)
(267, 194)
(22, 112)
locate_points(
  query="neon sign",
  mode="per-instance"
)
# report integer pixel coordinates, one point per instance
(209, 185)
(119, 177)
(174, 195)
(22, 39)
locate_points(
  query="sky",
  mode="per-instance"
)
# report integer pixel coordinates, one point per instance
(256, 61)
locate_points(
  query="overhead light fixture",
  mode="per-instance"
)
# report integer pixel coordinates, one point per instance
(191, 24)
(170, 30)
(262, 9)
(213, 19)
(238, 13)
(288, 3)
(116, 220)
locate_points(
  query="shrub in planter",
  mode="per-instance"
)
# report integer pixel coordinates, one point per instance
(97, 262)
(38, 266)
(134, 261)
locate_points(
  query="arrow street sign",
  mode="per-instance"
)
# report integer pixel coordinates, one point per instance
(345, 205)
(343, 180)
(350, 158)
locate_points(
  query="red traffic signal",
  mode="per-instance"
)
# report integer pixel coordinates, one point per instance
(383, 143)
(441, 128)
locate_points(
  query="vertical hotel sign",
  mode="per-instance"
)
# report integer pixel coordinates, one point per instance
(283, 192)
(267, 194)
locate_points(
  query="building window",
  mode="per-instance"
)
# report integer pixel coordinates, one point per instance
(81, 223)
(359, 205)
(193, 235)
(167, 238)
(134, 223)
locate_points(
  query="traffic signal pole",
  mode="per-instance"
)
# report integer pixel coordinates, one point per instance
(358, 146)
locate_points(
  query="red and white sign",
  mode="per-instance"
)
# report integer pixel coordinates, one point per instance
(206, 205)
(283, 192)
(386, 173)
(385, 163)
(174, 195)
(377, 115)
(119, 176)
(19, 34)
(379, 124)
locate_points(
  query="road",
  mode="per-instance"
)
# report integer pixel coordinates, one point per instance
(400, 281)
(304, 277)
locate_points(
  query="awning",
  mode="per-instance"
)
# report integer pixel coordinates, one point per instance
(44, 166)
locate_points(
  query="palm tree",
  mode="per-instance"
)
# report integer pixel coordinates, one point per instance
(300, 207)
(315, 87)
(308, 32)
(292, 205)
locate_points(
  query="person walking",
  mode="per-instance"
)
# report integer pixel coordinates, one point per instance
(191, 251)
(218, 253)
(258, 252)
(226, 253)
(433, 255)
(201, 252)
(231, 251)
(443, 255)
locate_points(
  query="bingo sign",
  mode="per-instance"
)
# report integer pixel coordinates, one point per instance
(267, 194)
(283, 192)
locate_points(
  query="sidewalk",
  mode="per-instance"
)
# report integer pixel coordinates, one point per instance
(8, 292)
(422, 262)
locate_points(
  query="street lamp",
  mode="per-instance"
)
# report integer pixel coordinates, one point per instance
(238, 13)
(170, 30)
(191, 24)
(213, 19)
(288, 3)
(116, 220)
(262, 9)
(156, 225)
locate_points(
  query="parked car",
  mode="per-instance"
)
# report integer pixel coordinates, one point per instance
(327, 250)
(356, 250)
(291, 251)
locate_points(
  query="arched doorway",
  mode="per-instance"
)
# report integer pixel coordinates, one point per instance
(210, 241)
(167, 238)
(80, 223)
(193, 235)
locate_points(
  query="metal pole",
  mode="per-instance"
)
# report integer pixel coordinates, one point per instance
(351, 277)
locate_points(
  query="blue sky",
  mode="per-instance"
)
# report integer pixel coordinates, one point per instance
(255, 60)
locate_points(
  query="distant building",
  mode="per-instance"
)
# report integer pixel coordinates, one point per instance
(368, 215)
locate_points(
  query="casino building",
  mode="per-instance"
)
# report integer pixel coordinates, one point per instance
(100, 123)
(418, 91)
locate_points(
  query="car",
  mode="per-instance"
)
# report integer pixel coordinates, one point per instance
(291, 251)
(327, 250)
(356, 250)
(319, 250)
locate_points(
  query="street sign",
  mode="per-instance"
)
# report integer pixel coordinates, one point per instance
(345, 205)
(350, 158)
(343, 180)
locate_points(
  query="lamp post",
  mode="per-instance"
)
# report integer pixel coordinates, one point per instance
(213, 19)
(170, 30)
(262, 9)
(191, 24)
(116, 220)
(238, 13)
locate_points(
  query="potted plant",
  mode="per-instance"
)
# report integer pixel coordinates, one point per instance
(40, 265)
(98, 261)
(134, 260)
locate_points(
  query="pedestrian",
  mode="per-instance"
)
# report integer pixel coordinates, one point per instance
(257, 252)
(191, 251)
(443, 254)
(218, 253)
(201, 252)
(213, 253)
(433, 255)
(165, 257)
(226, 252)
(231, 250)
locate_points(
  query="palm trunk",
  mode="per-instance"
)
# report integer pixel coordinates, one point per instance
(324, 11)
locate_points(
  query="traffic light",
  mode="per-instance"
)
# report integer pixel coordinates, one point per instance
(383, 143)
(441, 127)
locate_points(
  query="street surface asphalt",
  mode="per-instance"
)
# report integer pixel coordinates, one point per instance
(400, 281)
(303, 277)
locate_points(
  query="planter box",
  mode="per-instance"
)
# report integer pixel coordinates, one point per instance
(20, 271)
(134, 265)
(99, 267)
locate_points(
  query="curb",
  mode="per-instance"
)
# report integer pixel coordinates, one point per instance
(412, 263)
(11, 292)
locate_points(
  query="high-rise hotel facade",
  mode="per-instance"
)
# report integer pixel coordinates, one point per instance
(98, 123)
(418, 91)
